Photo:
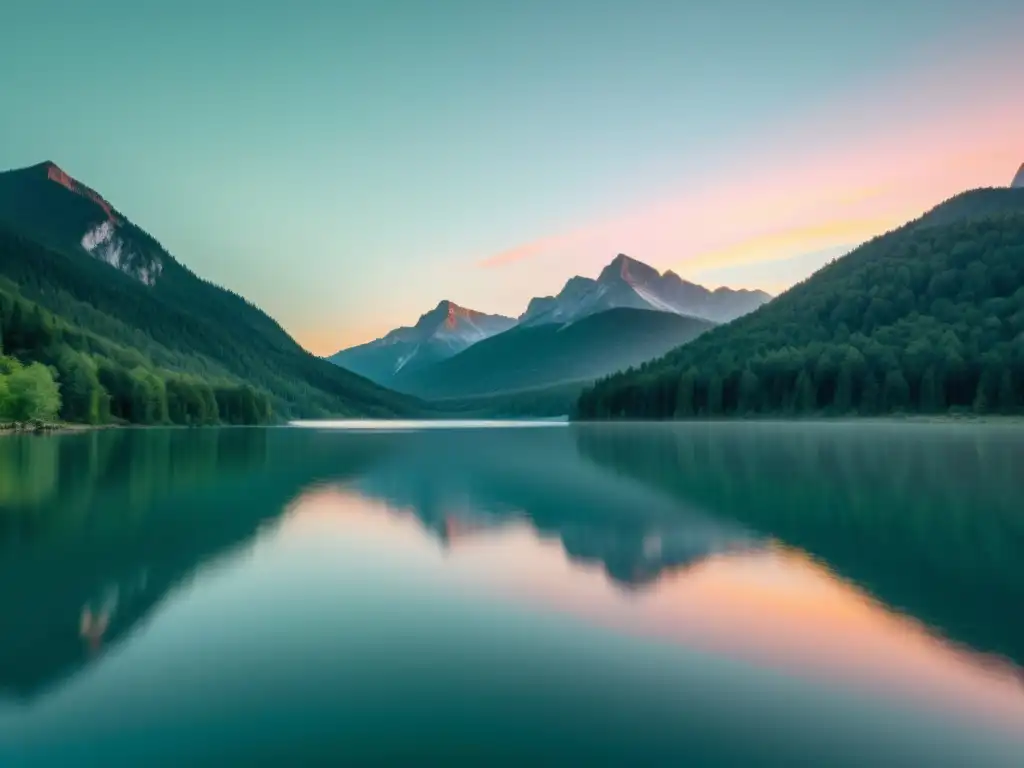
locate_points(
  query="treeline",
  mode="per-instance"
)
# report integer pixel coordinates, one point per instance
(187, 325)
(52, 370)
(925, 319)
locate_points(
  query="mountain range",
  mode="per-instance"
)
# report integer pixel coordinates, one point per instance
(629, 314)
(530, 357)
(927, 317)
(626, 282)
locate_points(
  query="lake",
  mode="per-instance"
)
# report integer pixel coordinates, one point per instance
(690, 594)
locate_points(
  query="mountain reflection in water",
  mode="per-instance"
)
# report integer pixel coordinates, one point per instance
(879, 558)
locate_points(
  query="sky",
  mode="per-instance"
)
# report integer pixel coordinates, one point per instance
(346, 165)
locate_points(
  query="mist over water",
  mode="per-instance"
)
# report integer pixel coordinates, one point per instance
(840, 594)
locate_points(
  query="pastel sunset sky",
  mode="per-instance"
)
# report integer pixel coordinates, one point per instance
(345, 165)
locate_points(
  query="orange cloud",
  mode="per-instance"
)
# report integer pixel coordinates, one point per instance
(327, 340)
(771, 246)
(527, 251)
(810, 190)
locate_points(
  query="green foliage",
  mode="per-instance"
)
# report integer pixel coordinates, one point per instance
(928, 318)
(28, 393)
(81, 378)
(541, 402)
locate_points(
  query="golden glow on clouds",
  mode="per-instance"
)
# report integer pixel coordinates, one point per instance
(788, 211)
(864, 162)
(816, 189)
(773, 246)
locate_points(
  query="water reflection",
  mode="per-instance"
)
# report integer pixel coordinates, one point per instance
(874, 559)
(96, 529)
(927, 518)
(475, 481)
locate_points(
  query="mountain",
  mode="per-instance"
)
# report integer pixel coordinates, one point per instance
(926, 318)
(627, 282)
(543, 355)
(439, 334)
(1018, 180)
(133, 334)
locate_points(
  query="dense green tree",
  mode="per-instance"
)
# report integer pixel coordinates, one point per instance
(806, 398)
(83, 398)
(1008, 398)
(29, 393)
(684, 394)
(82, 378)
(749, 391)
(896, 394)
(715, 395)
(928, 318)
(933, 397)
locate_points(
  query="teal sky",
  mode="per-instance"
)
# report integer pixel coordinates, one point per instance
(346, 165)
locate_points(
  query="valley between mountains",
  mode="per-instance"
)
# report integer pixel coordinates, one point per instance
(629, 314)
(99, 324)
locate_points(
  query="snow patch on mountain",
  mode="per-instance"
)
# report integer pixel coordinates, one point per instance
(403, 359)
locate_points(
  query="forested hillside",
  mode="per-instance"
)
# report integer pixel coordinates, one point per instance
(154, 361)
(545, 356)
(127, 315)
(928, 318)
(52, 369)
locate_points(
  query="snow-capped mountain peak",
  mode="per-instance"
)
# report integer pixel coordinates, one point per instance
(627, 282)
(444, 331)
(628, 270)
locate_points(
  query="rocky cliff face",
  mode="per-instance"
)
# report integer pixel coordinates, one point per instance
(45, 202)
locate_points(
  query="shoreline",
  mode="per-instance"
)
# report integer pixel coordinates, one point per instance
(50, 428)
(912, 418)
(60, 428)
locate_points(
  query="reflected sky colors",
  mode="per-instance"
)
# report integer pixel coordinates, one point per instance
(346, 165)
(770, 606)
(635, 594)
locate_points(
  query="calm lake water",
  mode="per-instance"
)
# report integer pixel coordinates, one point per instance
(716, 594)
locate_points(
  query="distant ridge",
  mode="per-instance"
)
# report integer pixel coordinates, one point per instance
(442, 332)
(544, 355)
(1018, 180)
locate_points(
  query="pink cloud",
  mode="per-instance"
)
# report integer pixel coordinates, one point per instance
(815, 189)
